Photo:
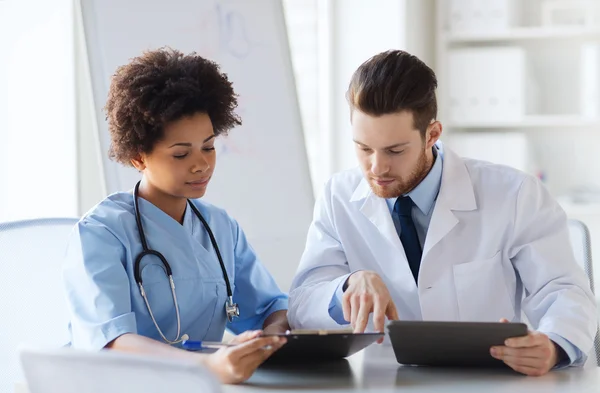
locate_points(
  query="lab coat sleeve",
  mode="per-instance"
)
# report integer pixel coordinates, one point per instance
(256, 292)
(316, 289)
(558, 299)
(573, 353)
(97, 287)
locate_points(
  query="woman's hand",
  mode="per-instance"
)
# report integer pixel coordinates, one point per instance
(237, 363)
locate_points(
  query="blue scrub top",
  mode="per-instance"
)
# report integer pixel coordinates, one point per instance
(105, 301)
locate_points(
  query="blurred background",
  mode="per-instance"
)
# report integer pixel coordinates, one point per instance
(519, 85)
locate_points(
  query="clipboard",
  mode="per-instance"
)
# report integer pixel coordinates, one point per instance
(321, 345)
(465, 344)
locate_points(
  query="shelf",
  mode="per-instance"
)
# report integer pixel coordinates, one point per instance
(524, 34)
(538, 121)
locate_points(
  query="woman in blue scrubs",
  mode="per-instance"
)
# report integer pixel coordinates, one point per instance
(149, 268)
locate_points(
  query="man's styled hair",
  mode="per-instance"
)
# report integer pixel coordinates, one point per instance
(395, 81)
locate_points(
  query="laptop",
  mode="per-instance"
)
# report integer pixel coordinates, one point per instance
(71, 371)
(464, 344)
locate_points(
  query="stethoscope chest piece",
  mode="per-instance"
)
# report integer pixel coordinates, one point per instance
(232, 309)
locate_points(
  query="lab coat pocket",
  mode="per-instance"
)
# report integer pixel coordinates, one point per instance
(481, 291)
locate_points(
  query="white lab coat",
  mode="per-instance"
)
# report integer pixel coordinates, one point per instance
(494, 232)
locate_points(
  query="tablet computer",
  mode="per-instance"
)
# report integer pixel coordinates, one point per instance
(321, 345)
(428, 343)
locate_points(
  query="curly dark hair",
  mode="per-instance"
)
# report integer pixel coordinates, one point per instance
(159, 87)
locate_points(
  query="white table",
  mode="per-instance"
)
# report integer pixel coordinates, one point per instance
(376, 370)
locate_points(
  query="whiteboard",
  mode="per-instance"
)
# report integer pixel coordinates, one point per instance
(262, 177)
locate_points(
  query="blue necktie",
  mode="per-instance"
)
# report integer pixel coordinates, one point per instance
(408, 233)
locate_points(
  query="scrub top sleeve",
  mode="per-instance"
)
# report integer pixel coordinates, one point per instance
(256, 292)
(97, 287)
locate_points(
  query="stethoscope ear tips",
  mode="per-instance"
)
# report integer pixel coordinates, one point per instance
(185, 337)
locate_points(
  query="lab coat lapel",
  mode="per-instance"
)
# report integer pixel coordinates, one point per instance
(456, 194)
(377, 211)
(442, 222)
(392, 260)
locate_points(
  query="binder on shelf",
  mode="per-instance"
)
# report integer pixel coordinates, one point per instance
(487, 84)
(583, 13)
(485, 16)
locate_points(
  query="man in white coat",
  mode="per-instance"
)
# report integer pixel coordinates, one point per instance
(418, 233)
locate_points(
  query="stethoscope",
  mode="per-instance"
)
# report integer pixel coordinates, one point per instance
(232, 310)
